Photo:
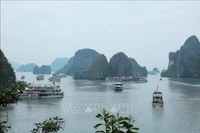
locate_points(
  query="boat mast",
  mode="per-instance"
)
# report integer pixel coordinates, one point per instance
(157, 88)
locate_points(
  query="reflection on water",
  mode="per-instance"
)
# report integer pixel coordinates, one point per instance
(83, 99)
(88, 85)
(187, 81)
(185, 104)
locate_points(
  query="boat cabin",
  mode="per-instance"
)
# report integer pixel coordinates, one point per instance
(118, 86)
(157, 97)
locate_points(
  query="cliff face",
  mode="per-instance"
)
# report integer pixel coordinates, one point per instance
(137, 69)
(36, 70)
(67, 66)
(7, 75)
(58, 63)
(121, 65)
(185, 63)
(44, 69)
(26, 68)
(82, 60)
(100, 69)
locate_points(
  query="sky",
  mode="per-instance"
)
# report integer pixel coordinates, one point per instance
(41, 31)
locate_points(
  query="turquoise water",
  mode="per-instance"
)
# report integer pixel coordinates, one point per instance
(84, 99)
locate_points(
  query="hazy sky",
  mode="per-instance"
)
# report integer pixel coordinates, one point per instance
(146, 31)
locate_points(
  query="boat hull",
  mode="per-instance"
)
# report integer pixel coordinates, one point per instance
(157, 104)
(53, 96)
(40, 97)
(118, 89)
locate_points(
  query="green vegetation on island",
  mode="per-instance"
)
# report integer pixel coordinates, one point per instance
(137, 69)
(121, 65)
(80, 62)
(89, 64)
(7, 75)
(98, 70)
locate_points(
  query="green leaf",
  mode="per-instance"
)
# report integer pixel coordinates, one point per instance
(135, 128)
(97, 125)
(98, 115)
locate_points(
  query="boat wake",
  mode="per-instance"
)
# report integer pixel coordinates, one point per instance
(197, 85)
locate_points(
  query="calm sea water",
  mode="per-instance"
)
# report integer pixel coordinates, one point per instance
(84, 99)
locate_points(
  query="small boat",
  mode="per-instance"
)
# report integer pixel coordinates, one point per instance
(157, 98)
(118, 86)
(63, 75)
(160, 78)
(55, 79)
(40, 77)
(22, 77)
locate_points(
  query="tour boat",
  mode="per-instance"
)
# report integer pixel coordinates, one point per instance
(118, 86)
(42, 91)
(157, 98)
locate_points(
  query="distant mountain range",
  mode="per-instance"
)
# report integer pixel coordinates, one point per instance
(154, 71)
(58, 63)
(14, 65)
(26, 68)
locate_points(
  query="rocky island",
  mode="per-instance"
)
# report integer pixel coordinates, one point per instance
(7, 75)
(185, 63)
(137, 69)
(44, 69)
(89, 64)
(26, 68)
(121, 65)
(80, 62)
(98, 70)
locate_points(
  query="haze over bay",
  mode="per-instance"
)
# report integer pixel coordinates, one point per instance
(39, 32)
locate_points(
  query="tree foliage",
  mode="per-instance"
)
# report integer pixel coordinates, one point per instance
(7, 96)
(3, 127)
(7, 75)
(51, 125)
(115, 124)
(10, 95)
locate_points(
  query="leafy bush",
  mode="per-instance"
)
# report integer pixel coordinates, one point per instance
(3, 127)
(51, 125)
(10, 95)
(115, 124)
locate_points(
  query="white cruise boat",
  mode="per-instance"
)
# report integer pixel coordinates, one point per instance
(118, 86)
(42, 91)
(157, 98)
